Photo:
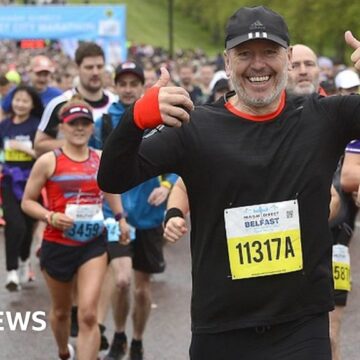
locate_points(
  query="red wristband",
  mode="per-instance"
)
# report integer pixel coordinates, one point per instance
(146, 110)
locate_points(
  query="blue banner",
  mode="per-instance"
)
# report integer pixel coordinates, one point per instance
(103, 23)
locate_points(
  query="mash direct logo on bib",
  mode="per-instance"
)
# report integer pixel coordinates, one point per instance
(263, 239)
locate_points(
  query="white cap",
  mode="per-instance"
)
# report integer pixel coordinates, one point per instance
(347, 79)
(221, 74)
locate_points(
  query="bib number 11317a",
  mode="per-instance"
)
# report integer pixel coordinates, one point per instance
(264, 239)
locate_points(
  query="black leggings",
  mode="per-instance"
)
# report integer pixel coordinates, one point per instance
(304, 339)
(18, 229)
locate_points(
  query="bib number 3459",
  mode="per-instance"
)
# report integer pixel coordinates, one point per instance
(88, 221)
(84, 230)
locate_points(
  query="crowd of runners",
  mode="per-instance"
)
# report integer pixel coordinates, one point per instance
(57, 114)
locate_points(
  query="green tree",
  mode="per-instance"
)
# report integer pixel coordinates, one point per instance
(317, 23)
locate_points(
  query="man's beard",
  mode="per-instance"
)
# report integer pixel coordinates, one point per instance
(259, 102)
(92, 89)
(300, 90)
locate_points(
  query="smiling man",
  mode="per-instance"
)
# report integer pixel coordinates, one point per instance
(257, 69)
(259, 292)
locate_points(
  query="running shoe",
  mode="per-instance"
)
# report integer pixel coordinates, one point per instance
(136, 351)
(12, 281)
(104, 344)
(118, 348)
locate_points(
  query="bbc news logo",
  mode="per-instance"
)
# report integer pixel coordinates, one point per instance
(17, 321)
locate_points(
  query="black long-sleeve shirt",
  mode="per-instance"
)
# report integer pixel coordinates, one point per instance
(228, 160)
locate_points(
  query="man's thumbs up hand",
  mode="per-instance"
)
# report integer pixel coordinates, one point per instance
(355, 44)
(164, 78)
(163, 104)
(174, 101)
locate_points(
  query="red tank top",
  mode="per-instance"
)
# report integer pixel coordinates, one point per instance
(70, 179)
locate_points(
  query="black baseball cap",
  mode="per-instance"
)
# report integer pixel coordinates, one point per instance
(132, 68)
(251, 23)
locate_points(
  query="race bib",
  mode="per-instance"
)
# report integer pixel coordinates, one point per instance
(263, 239)
(88, 221)
(113, 230)
(17, 155)
(341, 267)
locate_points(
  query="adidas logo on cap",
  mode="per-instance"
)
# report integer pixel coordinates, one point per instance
(257, 25)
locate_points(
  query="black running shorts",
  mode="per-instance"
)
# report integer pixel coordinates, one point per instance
(117, 250)
(340, 297)
(61, 262)
(146, 250)
(303, 339)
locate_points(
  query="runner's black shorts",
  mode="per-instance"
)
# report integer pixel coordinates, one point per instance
(146, 250)
(117, 250)
(302, 339)
(61, 262)
(340, 297)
